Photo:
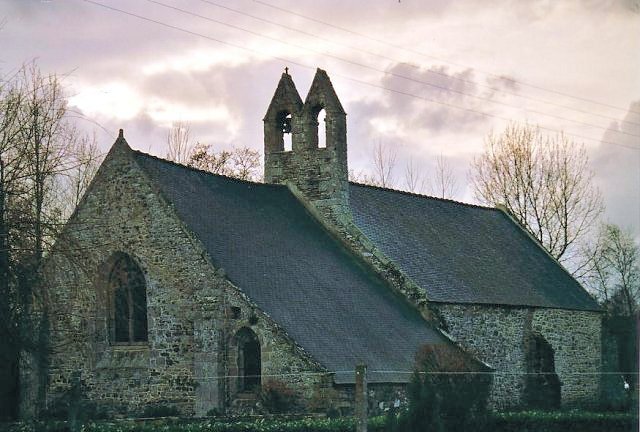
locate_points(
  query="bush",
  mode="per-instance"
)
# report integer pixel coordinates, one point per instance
(448, 392)
(278, 398)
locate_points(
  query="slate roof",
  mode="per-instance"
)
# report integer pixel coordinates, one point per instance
(461, 253)
(283, 259)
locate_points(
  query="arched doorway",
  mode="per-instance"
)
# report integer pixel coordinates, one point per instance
(542, 384)
(249, 360)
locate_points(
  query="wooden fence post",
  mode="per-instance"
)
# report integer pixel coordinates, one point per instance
(361, 398)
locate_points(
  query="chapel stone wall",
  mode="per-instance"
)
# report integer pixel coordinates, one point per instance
(498, 336)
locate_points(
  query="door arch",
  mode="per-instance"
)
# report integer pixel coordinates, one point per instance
(249, 360)
(542, 384)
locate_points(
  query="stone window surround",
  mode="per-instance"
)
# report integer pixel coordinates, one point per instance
(109, 349)
(235, 384)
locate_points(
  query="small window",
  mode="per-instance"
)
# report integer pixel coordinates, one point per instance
(234, 312)
(322, 129)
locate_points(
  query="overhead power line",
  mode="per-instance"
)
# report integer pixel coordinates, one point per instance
(289, 61)
(365, 66)
(416, 66)
(83, 116)
(381, 41)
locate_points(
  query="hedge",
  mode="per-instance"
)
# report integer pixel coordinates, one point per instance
(345, 424)
(525, 421)
(561, 421)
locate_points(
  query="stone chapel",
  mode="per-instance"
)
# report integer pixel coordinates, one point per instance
(179, 287)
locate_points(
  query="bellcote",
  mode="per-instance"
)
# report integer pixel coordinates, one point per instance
(318, 172)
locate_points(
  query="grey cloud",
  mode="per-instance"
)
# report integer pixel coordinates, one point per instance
(440, 78)
(632, 5)
(440, 107)
(536, 10)
(619, 6)
(503, 82)
(416, 115)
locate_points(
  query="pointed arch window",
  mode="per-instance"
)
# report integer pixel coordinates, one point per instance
(128, 300)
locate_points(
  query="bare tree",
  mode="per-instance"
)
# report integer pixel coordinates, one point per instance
(413, 177)
(84, 161)
(362, 177)
(205, 158)
(443, 184)
(34, 155)
(43, 137)
(41, 140)
(614, 274)
(242, 163)
(10, 161)
(246, 164)
(384, 162)
(545, 182)
(179, 147)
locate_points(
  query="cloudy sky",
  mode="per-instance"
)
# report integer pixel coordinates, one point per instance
(426, 78)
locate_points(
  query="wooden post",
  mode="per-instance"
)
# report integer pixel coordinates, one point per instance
(361, 398)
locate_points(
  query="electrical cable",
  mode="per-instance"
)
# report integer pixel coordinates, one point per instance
(187, 31)
(415, 66)
(264, 3)
(394, 74)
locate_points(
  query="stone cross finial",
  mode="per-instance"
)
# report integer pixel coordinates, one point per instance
(286, 70)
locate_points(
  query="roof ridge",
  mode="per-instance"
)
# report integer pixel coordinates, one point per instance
(201, 171)
(418, 195)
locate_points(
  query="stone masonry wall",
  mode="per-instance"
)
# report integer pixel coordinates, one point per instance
(282, 360)
(122, 214)
(497, 336)
(326, 189)
(576, 338)
(186, 361)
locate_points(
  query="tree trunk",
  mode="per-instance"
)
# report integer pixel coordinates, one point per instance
(9, 355)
